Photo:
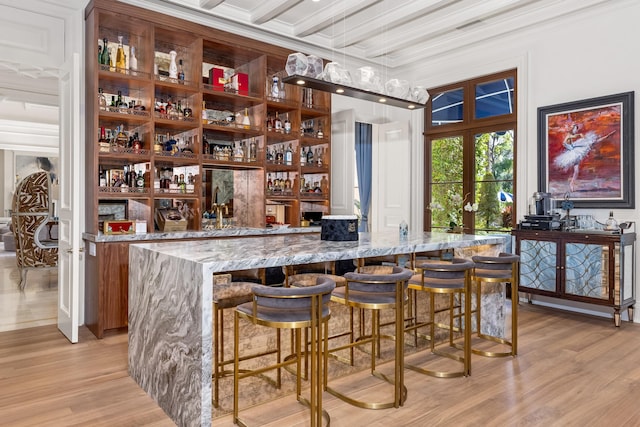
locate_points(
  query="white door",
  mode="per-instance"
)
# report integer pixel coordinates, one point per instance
(391, 177)
(342, 162)
(69, 249)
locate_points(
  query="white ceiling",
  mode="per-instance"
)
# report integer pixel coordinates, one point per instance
(393, 33)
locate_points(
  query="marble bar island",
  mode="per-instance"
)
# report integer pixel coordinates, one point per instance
(170, 300)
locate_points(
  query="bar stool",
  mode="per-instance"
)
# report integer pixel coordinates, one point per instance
(501, 269)
(229, 291)
(306, 274)
(289, 308)
(446, 278)
(376, 292)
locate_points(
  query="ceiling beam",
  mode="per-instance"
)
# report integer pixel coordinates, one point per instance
(329, 15)
(266, 11)
(449, 22)
(210, 4)
(390, 19)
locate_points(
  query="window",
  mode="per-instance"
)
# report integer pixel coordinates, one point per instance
(470, 139)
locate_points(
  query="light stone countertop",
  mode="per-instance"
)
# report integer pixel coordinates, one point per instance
(175, 235)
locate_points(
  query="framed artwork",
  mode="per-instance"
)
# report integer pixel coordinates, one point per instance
(26, 164)
(585, 151)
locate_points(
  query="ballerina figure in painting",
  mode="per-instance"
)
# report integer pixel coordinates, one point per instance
(577, 147)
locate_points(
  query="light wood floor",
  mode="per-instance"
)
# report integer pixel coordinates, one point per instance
(572, 370)
(36, 305)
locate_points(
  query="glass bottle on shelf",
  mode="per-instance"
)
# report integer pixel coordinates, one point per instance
(320, 134)
(120, 101)
(287, 124)
(287, 184)
(102, 100)
(288, 155)
(252, 150)
(133, 60)
(204, 113)
(246, 123)
(302, 184)
(269, 183)
(318, 157)
(275, 88)
(269, 123)
(277, 123)
(139, 106)
(269, 155)
(102, 177)
(238, 154)
(104, 146)
(121, 137)
(121, 58)
(187, 112)
(140, 181)
(279, 155)
(136, 144)
(324, 184)
(99, 54)
(180, 71)
(310, 156)
(179, 111)
(303, 157)
(104, 60)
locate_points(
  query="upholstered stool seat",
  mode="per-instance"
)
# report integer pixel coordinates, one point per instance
(309, 279)
(375, 292)
(446, 278)
(296, 309)
(501, 269)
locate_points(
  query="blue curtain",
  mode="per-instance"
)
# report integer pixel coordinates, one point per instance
(363, 167)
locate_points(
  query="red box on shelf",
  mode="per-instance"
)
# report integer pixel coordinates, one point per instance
(240, 82)
(216, 78)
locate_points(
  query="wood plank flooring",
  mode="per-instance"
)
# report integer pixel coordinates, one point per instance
(572, 370)
(37, 305)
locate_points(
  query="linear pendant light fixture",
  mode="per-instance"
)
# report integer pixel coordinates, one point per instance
(351, 91)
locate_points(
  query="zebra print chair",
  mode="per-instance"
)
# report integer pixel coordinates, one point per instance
(31, 213)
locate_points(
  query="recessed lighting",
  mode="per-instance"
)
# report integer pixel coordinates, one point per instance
(339, 90)
(300, 82)
(411, 106)
(383, 100)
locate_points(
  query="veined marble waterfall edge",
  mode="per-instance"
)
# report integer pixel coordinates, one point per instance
(170, 341)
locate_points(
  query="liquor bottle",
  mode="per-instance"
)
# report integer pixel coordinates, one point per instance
(288, 155)
(275, 88)
(99, 54)
(253, 154)
(158, 145)
(303, 157)
(104, 60)
(301, 128)
(310, 157)
(121, 58)
(269, 155)
(287, 124)
(269, 184)
(102, 100)
(187, 112)
(121, 137)
(302, 184)
(238, 154)
(204, 113)
(102, 178)
(279, 156)
(287, 184)
(140, 181)
(277, 123)
(319, 157)
(269, 123)
(246, 123)
(120, 101)
(188, 147)
(180, 71)
(136, 144)
(320, 134)
(179, 111)
(133, 60)
(324, 184)
(205, 146)
(104, 146)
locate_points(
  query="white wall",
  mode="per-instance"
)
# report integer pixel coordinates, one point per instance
(590, 54)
